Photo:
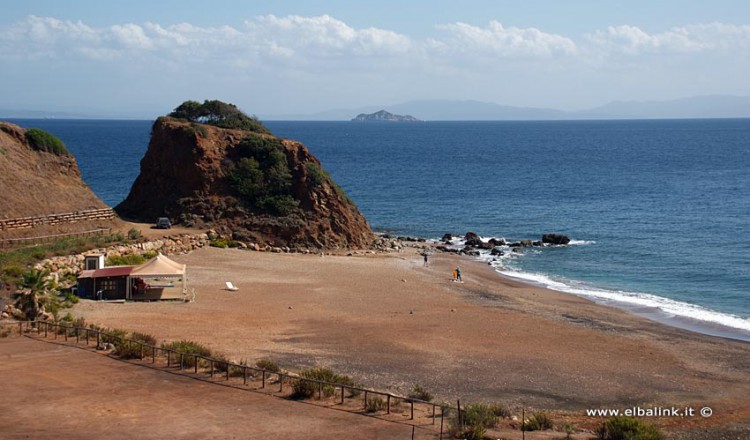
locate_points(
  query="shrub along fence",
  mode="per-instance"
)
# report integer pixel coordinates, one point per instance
(218, 367)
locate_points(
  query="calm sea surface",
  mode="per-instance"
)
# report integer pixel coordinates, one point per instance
(659, 211)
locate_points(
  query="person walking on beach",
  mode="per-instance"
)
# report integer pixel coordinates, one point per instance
(455, 276)
(458, 274)
(426, 263)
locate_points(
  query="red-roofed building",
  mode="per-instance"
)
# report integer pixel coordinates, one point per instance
(112, 282)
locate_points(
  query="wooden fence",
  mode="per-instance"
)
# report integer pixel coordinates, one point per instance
(213, 367)
(56, 219)
(15, 242)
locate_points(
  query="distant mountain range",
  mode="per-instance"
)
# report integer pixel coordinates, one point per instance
(713, 106)
(710, 106)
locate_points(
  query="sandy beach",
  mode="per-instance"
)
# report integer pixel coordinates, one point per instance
(391, 323)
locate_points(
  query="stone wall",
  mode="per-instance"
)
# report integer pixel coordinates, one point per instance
(63, 268)
(56, 219)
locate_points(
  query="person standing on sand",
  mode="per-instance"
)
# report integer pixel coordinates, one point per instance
(458, 274)
(426, 263)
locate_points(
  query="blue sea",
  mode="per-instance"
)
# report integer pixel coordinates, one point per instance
(658, 210)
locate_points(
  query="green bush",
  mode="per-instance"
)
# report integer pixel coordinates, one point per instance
(188, 347)
(219, 114)
(538, 421)
(375, 404)
(114, 336)
(219, 243)
(420, 393)
(41, 140)
(134, 234)
(125, 260)
(130, 350)
(481, 414)
(150, 254)
(279, 204)
(628, 428)
(261, 177)
(265, 364)
(303, 389)
(69, 299)
(315, 174)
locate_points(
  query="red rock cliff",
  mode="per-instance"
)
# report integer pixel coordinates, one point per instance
(185, 176)
(35, 183)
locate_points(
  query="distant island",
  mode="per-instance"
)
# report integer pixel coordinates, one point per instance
(383, 115)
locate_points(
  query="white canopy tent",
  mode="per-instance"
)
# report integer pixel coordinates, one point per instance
(158, 278)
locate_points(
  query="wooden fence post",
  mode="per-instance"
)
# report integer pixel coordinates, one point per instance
(263, 384)
(212, 368)
(196, 364)
(388, 405)
(412, 410)
(365, 399)
(342, 394)
(244, 375)
(442, 416)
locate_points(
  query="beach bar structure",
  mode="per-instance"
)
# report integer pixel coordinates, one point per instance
(157, 279)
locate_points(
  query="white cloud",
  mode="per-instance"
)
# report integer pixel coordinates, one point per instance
(631, 40)
(323, 36)
(315, 59)
(498, 40)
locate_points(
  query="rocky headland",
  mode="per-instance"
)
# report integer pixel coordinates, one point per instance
(245, 183)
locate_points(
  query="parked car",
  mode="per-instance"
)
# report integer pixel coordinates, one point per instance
(163, 223)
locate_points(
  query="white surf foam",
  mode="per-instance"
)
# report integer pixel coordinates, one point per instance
(669, 308)
(692, 316)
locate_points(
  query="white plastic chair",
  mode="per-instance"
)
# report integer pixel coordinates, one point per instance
(231, 287)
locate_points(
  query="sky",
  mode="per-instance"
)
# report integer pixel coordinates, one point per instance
(142, 58)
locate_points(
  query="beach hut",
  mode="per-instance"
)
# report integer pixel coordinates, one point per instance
(158, 278)
(104, 283)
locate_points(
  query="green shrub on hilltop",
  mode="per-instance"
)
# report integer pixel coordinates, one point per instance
(628, 428)
(315, 174)
(41, 140)
(261, 176)
(219, 114)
